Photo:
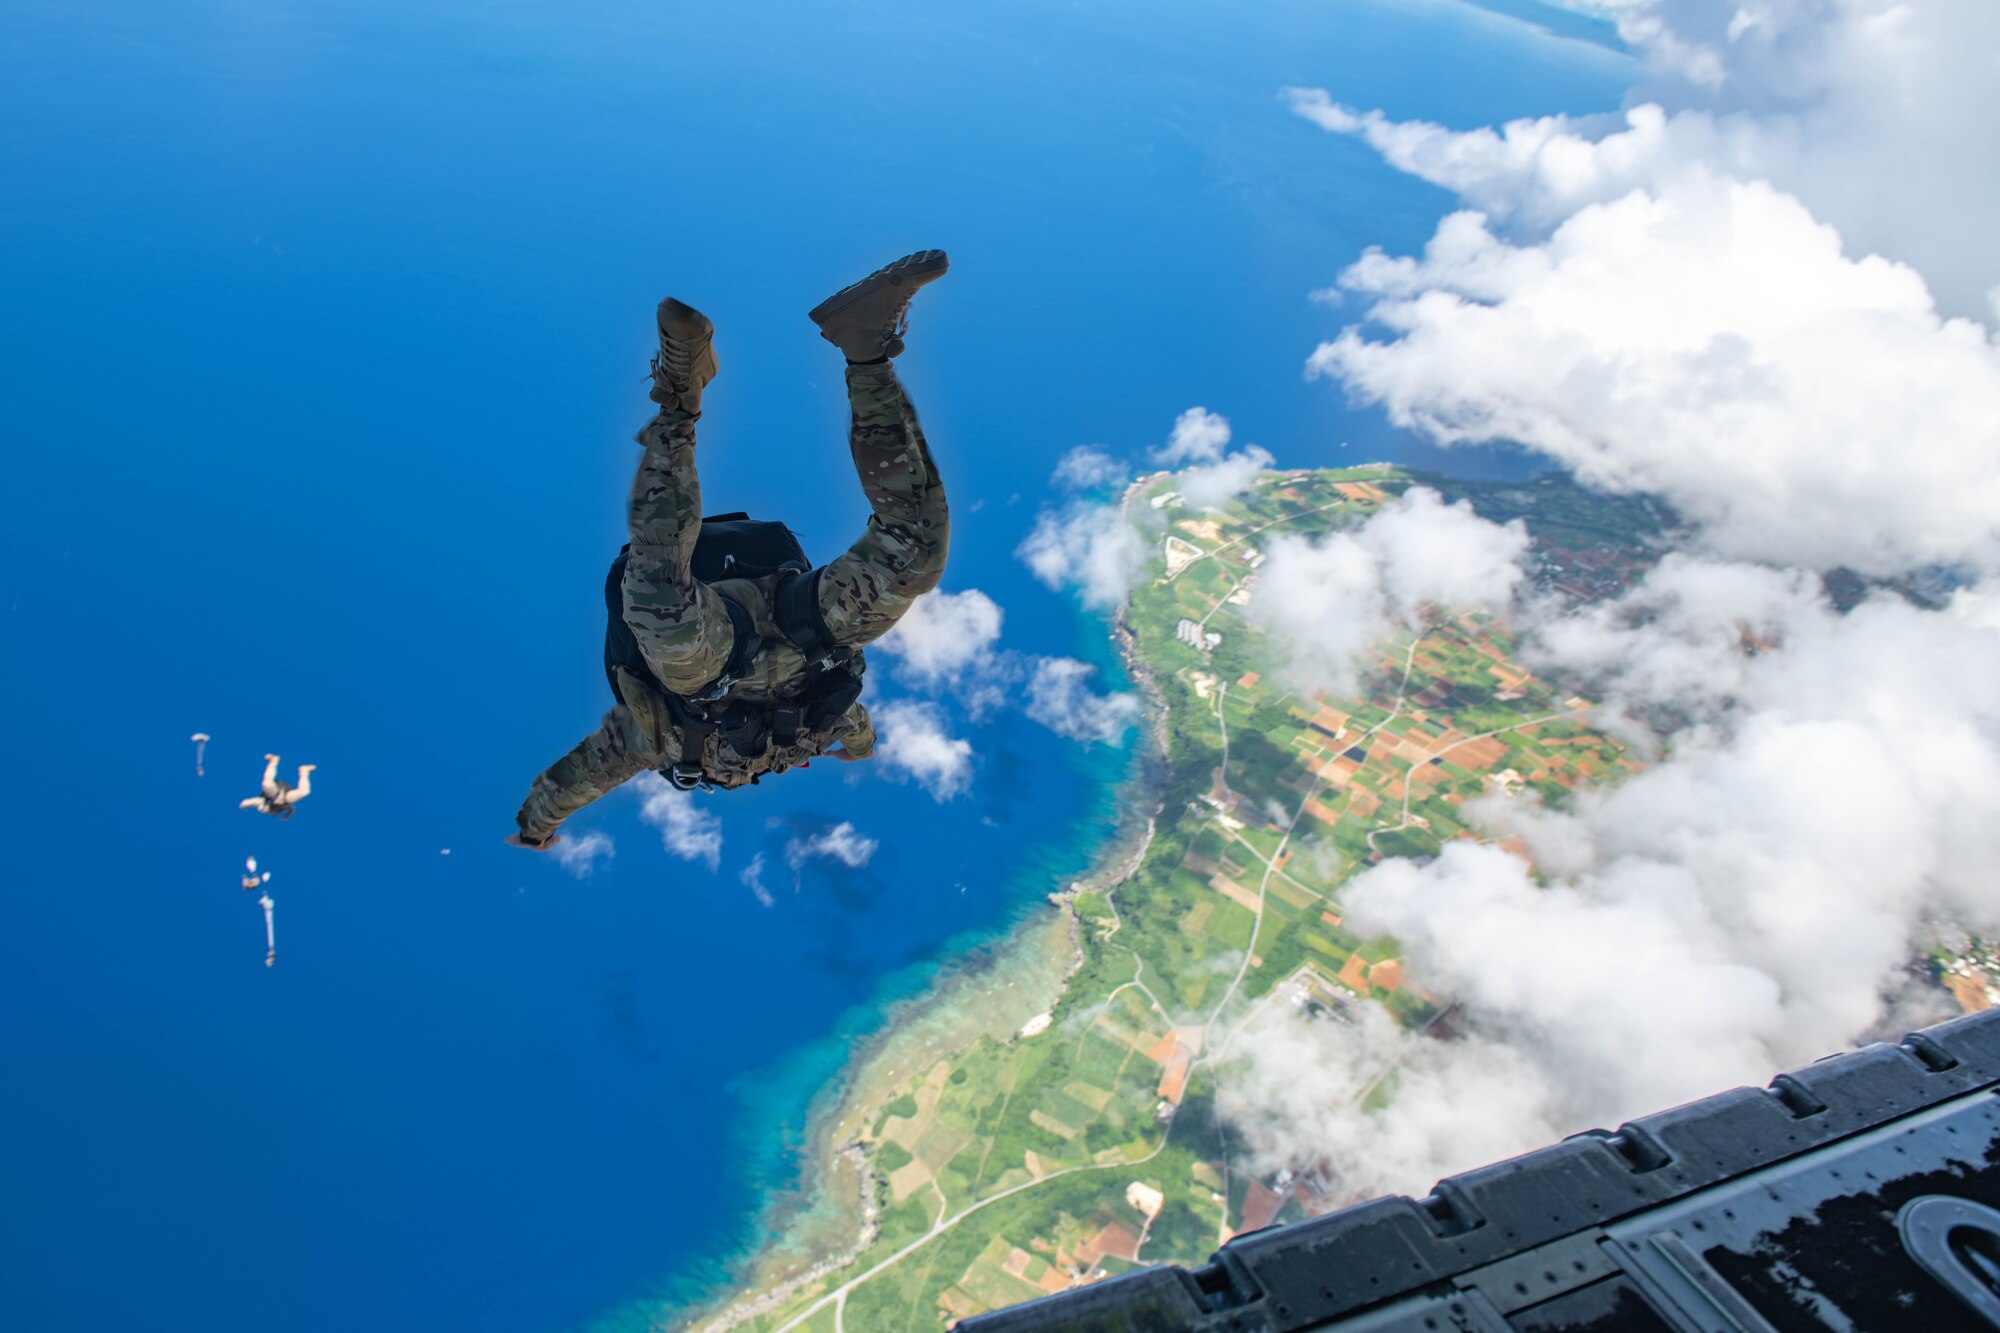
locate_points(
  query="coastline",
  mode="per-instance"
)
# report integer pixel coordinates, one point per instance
(836, 1225)
(829, 1219)
(1126, 642)
(989, 988)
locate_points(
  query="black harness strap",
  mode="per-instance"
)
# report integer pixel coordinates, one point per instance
(703, 715)
(689, 772)
(796, 609)
(832, 683)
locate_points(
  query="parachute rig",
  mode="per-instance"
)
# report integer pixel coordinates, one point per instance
(1858, 1193)
(736, 546)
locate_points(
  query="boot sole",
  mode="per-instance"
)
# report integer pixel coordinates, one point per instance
(910, 271)
(687, 324)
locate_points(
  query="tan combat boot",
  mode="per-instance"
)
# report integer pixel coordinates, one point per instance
(866, 321)
(686, 359)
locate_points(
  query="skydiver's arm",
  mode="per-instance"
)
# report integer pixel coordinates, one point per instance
(859, 743)
(613, 754)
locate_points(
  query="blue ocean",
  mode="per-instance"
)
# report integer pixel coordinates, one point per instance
(323, 330)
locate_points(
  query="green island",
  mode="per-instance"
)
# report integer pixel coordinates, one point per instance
(1063, 1129)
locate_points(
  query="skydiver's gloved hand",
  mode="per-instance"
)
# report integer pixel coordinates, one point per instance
(516, 840)
(845, 755)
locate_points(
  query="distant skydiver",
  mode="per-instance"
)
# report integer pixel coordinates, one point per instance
(728, 654)
(278, 797)
(253, 880)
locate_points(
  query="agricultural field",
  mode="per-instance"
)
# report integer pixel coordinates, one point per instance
(1088, 1142)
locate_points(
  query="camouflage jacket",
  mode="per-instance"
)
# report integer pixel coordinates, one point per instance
(640, 733)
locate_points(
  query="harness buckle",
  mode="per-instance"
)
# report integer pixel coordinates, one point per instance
(716, 688)
(831, 660)
(689, 777)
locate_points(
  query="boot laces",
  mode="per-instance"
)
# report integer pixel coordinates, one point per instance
(899, 323)
(674, 362)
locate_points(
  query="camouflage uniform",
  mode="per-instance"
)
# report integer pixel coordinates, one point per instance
(684, 630)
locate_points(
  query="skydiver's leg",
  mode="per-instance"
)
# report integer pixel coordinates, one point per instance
(901, 556)
(304, 787)
(680, 623)
(270, 786)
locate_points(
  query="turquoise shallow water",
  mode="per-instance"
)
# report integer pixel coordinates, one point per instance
(770, 1142)
(324, 335)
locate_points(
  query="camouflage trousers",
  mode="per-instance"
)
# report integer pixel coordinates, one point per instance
(681, 624)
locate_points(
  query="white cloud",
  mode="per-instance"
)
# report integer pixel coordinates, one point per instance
(1328, 602)
(1871, 112)
(1681, 639)
(1093, 548)
(1060, 698)
(1089, 547)
(686, 830)
(1747, 904)
(752, 878)
(1199, 436)
(1437, 554)
(1215, 485)
(1879, 114)
(1322, 603)
(1691, 298)
(914, 744)
(579, 854)
(1298, 1094)
(1710, 344)
(945, 637)
(840, 842)
(1534, 174)
(1089, 468)
(1662, 302)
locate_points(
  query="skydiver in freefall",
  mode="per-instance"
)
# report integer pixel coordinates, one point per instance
(719, 681)
(276, 796)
